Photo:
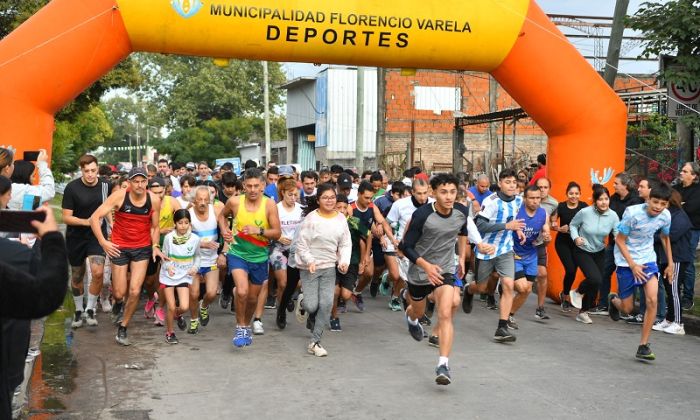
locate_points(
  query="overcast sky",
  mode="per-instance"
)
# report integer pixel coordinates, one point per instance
(566, 7)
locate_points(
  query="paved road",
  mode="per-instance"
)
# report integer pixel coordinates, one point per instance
(558, 369)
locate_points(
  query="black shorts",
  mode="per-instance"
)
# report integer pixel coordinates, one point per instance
(81, 248)
(349, 279)
(128, 255)
(153, 266)
(420, 292)
(521, 274)
(541, 256)
(377, 253)
(185, 285)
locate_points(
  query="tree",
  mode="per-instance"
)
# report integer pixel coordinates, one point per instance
(76, 136)
(673, 28)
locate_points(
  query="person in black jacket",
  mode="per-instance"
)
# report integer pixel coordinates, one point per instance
(689, 187)
(27, 296)
(625, 195)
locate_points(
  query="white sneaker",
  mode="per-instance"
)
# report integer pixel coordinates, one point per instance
(676, 329)
(258, 328)
(106, 304)
(77, 319)
(576, 299)
(90, 319)
(583, 317)
(660, 326)
(317, 350)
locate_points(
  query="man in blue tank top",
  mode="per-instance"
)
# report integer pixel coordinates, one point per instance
(536, 223)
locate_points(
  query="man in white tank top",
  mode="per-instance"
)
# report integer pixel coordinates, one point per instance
(204, 225)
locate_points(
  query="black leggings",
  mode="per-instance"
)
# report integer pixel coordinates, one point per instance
(565, 250)
(292, 282)
(592, 265)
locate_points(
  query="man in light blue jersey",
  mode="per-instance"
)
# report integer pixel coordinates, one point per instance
(495, 222)
(636, 260)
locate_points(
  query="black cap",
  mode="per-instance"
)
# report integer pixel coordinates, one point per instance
(134, 172)
(344, 181)
(156, 181)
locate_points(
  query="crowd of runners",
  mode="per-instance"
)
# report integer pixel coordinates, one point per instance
(311, 243)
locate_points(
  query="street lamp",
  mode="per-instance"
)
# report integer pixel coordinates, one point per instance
(128, 139)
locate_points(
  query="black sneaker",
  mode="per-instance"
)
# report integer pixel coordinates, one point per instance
(281, 319)
(467, 300)
(224, 301)
(170, 338)
(599, 310)
(77, 319)
(687, 304)
(415, 330)
(335, 325)
(181, 323)
(434, 341)
(429, 308)
(90, 318)
(483, 296)
(373, 289)
(117, 312)
(541, 314)
(503, 336)
(636, 320)
(512, 325)
(442, 375)
(613, 312)
(270, 303)
(122, 337)
(402, 296)
(425, 321)
(204, 315)
(290, 305)
(491, 302)
(644, 352)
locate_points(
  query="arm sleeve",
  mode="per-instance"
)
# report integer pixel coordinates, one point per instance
(575, 224)
(26, 296)
(485, 226)
(67, 202)
(345, 248)
(302, 251)
(414, 233)
(48, 190)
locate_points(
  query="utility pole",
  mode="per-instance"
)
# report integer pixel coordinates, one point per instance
(493, 136)
(360, 121)
(138, 145)
(381, 122)
(616, 32)
(268, 146)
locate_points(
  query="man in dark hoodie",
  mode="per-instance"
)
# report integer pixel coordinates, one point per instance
(690, 195)
(625, 195)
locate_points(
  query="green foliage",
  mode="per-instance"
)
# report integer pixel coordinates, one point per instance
(123, 113)
(655, 133)
(84, 132)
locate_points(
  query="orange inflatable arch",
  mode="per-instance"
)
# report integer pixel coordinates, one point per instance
(69, 44)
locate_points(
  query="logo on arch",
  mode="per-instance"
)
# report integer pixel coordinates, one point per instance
(186, 8)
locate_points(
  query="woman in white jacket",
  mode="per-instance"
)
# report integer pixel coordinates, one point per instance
(21, 182)
(323, 241)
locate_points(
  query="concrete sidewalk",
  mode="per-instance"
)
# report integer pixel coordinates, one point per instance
(556, 369)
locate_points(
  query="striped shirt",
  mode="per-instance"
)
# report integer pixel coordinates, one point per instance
(639, 228)
(497, 212)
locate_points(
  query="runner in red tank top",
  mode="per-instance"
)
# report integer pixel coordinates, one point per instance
(134, 234)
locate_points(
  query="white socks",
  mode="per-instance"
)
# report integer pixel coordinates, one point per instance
(442, 361)
(91, 302)
(78, 303)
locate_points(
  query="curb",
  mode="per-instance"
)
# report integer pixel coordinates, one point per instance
(20, 402)
(691, 323)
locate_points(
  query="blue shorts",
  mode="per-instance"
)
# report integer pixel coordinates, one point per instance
(257, 272)
(526, 267)
(204, 270)
(626, 281)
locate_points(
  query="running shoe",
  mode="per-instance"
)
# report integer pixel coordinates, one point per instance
(224, 301)
(613, 312)
(170, 338)
(599, 310)
(258, 327)
(384, 286)
(77, 319)
(425, 321)
(122, 337)
(512, 325)
(636, 320)
(159, 317)
(404, 302)
(91, 320)
(434, 341)
(565, 304)
(442, 375)
(299, 309)
(270, 303)
(281, 319)
(429, 308)
(541, 314)
(416, 330)
(373, 288)
(687, 304)
(117, 312)
(342, 308)
(204, 315)
(660, 325)
(483, 297)
(316, 350)
(181, 323)
(503, 336)
(194, 326)
(150, 308)
(395, 304)
(583, 317)
(106, 304)
(358, 301)
(675, 329)
(576, 299)
(290, 305)
(335, 325)
(239, 337)
(644, 352)
(491, 302)
(467, 301)
(248, 335)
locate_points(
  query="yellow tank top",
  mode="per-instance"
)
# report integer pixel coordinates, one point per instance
(167, 220)
(252, 248)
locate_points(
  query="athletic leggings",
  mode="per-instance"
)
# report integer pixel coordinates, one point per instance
(674, 313)
(565, 250)
(292, 282)
(591, 264)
